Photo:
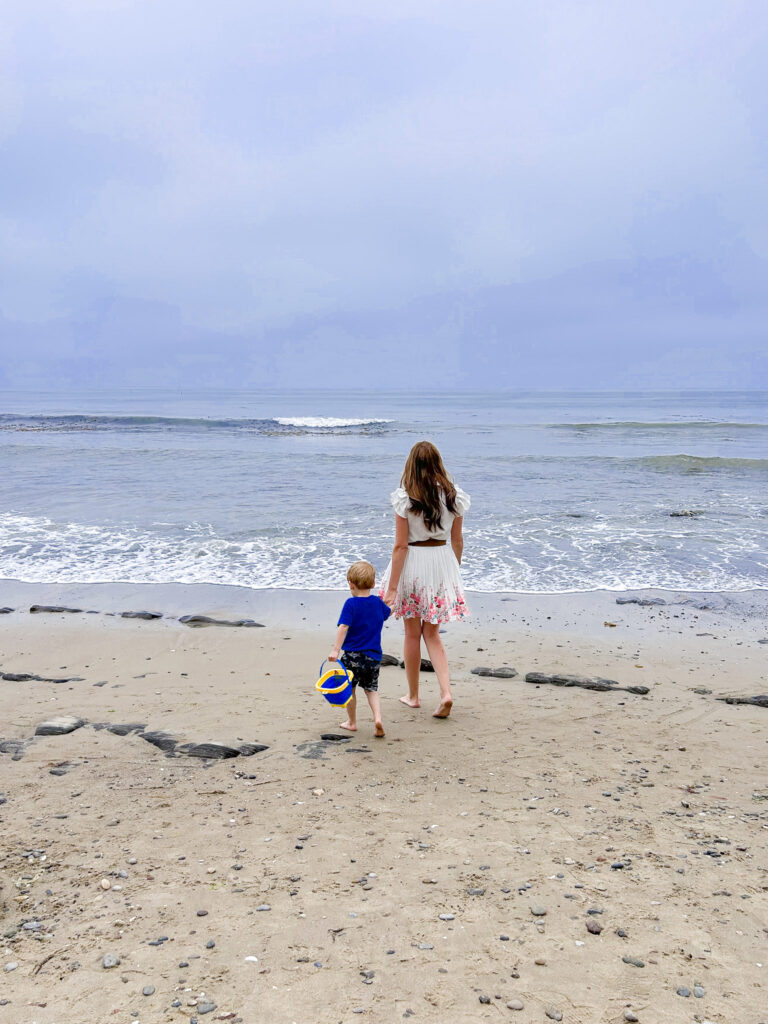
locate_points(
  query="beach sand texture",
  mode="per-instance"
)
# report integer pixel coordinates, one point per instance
(449, 872)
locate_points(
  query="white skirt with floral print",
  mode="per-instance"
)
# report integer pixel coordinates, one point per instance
(430, 586)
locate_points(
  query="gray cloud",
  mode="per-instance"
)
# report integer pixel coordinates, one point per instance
(495, 193)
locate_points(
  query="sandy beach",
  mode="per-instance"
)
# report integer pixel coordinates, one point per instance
(546, 853)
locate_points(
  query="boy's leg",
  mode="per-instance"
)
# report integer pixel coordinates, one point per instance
(351, 722)
(375, 704)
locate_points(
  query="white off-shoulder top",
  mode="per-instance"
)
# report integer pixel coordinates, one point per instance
(417, 529)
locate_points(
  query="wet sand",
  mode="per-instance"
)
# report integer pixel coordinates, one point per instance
(403, 876)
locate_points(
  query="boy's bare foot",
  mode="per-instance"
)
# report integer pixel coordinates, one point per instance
(444, 709)
(348, 726)
(378, 729)
(410, 703)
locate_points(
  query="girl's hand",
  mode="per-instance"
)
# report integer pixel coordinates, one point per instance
(390, 598)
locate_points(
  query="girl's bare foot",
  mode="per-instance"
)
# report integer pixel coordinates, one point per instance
(378, 729)
(410, 703)
(348, 726)
(444, 709)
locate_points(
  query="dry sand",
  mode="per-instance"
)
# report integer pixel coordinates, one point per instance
(651, 811)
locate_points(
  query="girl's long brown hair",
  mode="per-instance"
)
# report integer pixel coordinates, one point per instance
(425, 481)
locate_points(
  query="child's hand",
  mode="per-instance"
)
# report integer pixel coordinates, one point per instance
(334, 655)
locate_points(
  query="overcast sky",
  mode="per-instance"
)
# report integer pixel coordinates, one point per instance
(384, 193)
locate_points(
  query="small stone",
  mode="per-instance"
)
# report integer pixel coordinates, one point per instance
(553, 1014)
(109, 961)
(183, 963)
(264, 906)
(476, 892)
(106, 884)
(594, 927)
(148, 990)
(202, 913)
(504, 938)
(698, 992)
(631, 1017)
(10, 967)
(485, 999)
(537, 910)
(684, 992)
(210, 944)
(515, 1004)
(446, 917)
(633, 961)
(205, 1007)
(540, 961)
(59, 726)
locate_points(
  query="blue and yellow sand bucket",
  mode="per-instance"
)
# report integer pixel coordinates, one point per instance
(335, 684)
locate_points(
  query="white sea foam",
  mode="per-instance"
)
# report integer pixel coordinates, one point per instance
(533, 556)
(325, 421)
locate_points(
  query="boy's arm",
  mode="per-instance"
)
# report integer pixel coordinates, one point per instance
(341, 633)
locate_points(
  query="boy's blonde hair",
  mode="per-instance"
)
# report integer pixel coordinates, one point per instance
(361, 575)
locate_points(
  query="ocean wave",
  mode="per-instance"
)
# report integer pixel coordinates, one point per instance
(663, 425)
(270, 425)
(321, 422)
(538, 555)
(699, 463)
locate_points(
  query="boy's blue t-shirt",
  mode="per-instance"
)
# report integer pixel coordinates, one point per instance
(365, 616)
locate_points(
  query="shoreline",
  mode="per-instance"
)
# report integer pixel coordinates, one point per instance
(313, 609)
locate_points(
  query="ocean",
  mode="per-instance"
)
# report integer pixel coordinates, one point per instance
(571, 491)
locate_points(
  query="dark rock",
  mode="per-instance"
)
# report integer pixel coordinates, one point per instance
(497, 673)
(332, 737)
(633, 961)
(485, 1000)
(206, 620)
(425, 666)
(389, 659)
(37, 608)
(644, 602)
(686, 513)
(118, 729)
(15, 748)
(28, 677)
(594, 927)
(59, 726)
(760, 701)
(215, 751)
(585, 682)
(6, 611)
(162, 740)
(249, 749)
(141, 615)
(684, 992)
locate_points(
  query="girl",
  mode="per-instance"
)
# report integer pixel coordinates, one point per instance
(424, 583)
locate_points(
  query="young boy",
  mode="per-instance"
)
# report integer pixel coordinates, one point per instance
(359, 638)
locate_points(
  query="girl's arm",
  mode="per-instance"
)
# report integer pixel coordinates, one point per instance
(457, 538)
(341, 634)
(399, 551)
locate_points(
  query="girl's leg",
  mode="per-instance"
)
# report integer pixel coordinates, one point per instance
(439, 659)
(412, 657)
(351, 722)
(375, 703)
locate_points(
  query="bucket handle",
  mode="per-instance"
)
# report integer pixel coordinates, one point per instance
(332, 672)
